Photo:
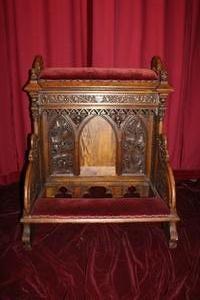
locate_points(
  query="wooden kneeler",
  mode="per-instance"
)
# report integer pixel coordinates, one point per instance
(98, 153)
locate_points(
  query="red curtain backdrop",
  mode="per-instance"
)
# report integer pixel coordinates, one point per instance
(106, 33)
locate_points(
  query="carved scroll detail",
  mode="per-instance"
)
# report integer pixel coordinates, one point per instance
(61, 145)
(133, 146)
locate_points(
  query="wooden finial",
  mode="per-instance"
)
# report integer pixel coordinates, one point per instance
(158, 66)
(37, 67)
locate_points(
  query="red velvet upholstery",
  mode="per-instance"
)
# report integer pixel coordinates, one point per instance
(106, 207)
(98, 73)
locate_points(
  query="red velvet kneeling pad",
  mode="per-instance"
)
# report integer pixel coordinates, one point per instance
(98, 73)
(108, 207)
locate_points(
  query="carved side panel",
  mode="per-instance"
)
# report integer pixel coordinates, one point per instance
(34, 157)
(161, 172)
(134, 146)
(61, 144)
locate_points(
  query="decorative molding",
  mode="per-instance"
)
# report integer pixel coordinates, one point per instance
(134, 99)
(124, 98)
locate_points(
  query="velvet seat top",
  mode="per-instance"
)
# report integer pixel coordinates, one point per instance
(98, 74)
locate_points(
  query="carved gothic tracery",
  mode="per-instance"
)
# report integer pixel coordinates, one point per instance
(62, 140)
(117, 115)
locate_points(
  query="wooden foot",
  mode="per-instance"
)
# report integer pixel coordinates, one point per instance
(26, 236)
(173, 235)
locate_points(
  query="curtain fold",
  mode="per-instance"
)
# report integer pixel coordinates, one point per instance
(112, 33)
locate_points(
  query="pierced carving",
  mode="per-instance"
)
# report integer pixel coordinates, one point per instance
(117, 115)
(134, 146)
(131, 192)
(62, 140)
(124, 98)
(61, 145)
(135, 99)
(63, 192)
(97, 192)
(62, 98)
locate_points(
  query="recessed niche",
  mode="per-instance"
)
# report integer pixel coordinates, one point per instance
(97, 148)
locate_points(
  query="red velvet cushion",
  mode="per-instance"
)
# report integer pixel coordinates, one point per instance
(98, 73)
(106, 207)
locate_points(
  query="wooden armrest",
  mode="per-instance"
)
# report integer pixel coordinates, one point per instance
(164, 178)
(33, 178)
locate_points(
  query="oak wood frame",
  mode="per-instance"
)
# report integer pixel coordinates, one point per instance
(37, 175)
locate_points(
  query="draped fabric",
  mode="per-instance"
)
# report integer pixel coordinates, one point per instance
(106, 33)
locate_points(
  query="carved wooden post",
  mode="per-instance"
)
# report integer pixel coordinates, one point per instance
(164, 177)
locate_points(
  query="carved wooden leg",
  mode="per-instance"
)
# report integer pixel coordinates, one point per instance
(26, 236)
(173, 235)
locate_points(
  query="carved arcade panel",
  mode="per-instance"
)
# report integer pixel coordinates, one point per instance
(91, 146)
